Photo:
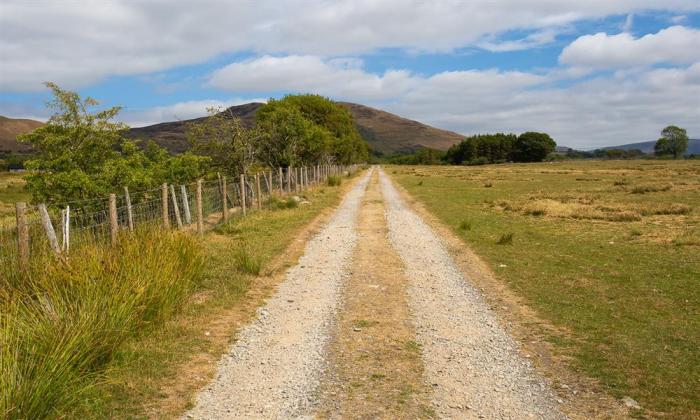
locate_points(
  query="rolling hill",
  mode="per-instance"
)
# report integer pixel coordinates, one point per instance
(648, 147)
(10, 128)
(171, 135)
(388, 133)
(384, 132)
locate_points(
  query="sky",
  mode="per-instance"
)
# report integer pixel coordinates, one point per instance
(590, 73)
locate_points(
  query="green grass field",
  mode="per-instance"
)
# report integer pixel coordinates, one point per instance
(609, 251)
(11, 191)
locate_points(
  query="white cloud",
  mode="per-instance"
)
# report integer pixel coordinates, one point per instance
(178, 111)
(628, 106)
(600, 112)
(535, 39)
(629, 22)
(676, 44)
(77, 43)
(296, 73)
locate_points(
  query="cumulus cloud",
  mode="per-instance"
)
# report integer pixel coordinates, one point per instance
(604, 111)
(626, 106)
(676, 45)
(311, 74)
(177, 111)
(533, 40)
(77, 43)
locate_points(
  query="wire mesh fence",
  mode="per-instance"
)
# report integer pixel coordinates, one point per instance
(193, 206)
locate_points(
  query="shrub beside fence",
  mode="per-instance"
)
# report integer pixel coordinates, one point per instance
(194, 206)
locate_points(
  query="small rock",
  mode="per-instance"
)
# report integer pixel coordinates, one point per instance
(631, 403)
(356, 329)
(207, 333)
(502, 265)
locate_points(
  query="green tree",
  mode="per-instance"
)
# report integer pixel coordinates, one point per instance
(230, 147)
(82, 155)
(330, 133)
(673, 141)
(532, 147)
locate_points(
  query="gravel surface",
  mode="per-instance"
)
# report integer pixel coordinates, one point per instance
(273, 369)
(471, 363)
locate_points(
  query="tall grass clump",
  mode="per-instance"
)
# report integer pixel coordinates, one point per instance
(505, 239)
(247, 261)
(63, 320)
(334, 180)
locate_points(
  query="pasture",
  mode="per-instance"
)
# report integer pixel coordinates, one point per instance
(607, 252)
(11, 191)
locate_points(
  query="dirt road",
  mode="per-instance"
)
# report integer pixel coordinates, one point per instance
(375, 321)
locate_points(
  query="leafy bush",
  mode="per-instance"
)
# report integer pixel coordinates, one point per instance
(61, 323)
(334, 180)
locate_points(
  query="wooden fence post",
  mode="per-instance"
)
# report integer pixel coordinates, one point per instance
(186, 205)
(269, 186)
(200, 212)
(48, 227)
(243, 209)
(176, 208)
(65, 246)
(22, 234)
(224, 203)
(281, 180)
(289, 179)
(164, 209)
(258, 191)
(129, 210)
(113, 221)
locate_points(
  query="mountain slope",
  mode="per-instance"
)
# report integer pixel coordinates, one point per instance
(389, 133)
(648, 147)
(384, 132)
(10, 128)
(171, 135)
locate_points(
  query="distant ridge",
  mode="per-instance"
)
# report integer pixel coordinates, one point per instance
(10, 128)
(384, 132)
(388, 133)
(171, 135)
(648, 147)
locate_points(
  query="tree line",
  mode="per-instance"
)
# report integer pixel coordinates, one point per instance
(83, 154)
(485, 148)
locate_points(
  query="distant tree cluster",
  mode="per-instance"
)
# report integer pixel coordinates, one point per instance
(423, 156)
(500, 147)
(673, 142)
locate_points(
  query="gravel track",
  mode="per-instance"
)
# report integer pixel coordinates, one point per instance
(471, 363)
(273, 369)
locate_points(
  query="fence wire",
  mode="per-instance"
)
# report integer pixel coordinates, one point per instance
(86, 222)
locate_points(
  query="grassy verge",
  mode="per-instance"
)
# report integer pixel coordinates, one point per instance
(608, 251)
(62, 323)
(157, 373)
